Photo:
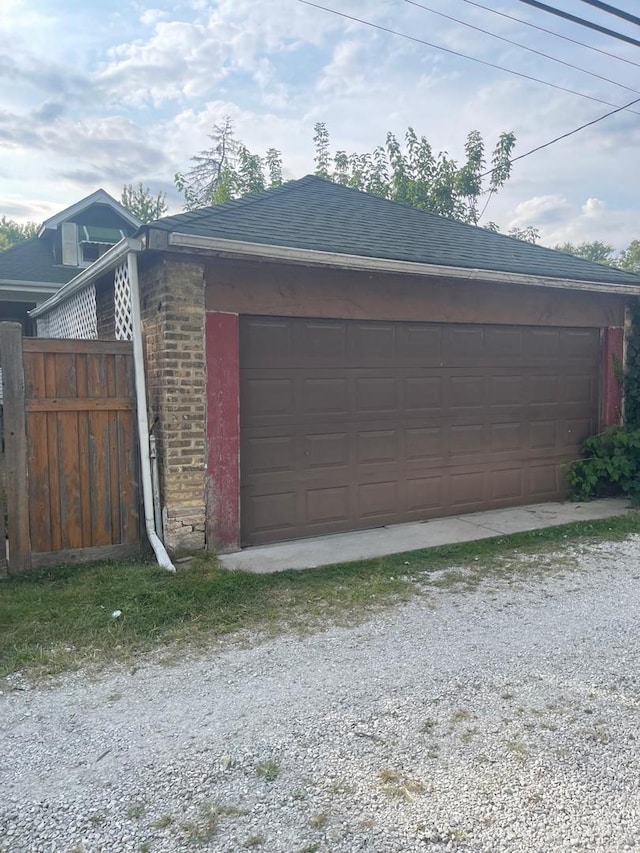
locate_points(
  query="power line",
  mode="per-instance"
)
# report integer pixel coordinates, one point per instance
(613, 10)
(522, 46)
(552, 33)
(463, 55)
(582, 21)
(564, 135)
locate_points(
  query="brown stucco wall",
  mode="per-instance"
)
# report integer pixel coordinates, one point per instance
(173, 321)
(298, 291)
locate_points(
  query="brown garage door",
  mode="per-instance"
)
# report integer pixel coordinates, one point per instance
(350, 424)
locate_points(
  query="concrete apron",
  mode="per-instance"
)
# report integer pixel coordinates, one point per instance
(381, 541)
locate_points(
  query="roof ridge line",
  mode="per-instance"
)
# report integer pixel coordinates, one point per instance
(237, 203)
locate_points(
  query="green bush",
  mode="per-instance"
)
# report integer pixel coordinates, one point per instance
(611, 465)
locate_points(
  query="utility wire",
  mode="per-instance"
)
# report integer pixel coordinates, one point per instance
(464, 55)
(522, 46)
(564, 136)
(613, 10)
(582, 21)
(551, 32)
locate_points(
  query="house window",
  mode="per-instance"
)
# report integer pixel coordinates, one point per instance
(82, 245)
(90, 252)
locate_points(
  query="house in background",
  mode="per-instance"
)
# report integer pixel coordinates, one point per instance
(71, 240)
(321, 360)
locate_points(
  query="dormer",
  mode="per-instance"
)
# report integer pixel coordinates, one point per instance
(79, 235)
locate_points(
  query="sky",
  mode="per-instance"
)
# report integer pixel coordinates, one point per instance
(102, 94)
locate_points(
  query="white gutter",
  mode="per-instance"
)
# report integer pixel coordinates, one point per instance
(143, 420)
(361, 262)
(14, 283)
(112, 258)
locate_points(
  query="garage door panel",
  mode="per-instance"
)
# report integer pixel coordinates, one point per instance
(266, 342)
(269, 455)
(507, 484)
(467, 488)
(423, 394)
(353, 427)
(422, 443)
(425, 493)
(578, 388)
(267, 396)
(419, 345)
(272, 513)
(506, 437)
(326, 505)
(543, 435)
(466, 440)
(466, 391)
(325, 450)
(506, 390)
(377, 394)
(324, 396)
(543, 481)
(576, 430)
(579, 344)
(379, 445)
(319, 344)
(378, 499)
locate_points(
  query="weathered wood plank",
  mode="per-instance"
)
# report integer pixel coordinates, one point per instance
(69, 464)
(114, 480)
(99, 477)
(39, 496)
(76, 346)
(34, 375)
(82, 387)
(87, 555)
(80, 404)
(54, 481)
(15, 447)
(65, 367)
(3, 514)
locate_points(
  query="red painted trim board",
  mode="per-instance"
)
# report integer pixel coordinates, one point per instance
(223, 431)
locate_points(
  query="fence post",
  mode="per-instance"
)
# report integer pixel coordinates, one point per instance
(15, 431)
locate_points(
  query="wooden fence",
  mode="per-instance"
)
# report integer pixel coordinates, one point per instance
(71, 451)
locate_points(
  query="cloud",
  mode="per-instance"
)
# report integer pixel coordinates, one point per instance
(559, 221)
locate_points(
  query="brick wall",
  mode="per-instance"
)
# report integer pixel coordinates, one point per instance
(173, 320)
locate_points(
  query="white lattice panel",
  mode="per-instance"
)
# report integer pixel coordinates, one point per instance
(74, 318)
(43, 327)
(122, 304)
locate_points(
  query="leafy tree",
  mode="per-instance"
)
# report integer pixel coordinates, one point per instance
(530, 234)
(226, 170)
(406, 171)
(142, 203)
(12, 232)
(629, 258)
(411, 173)
(596, 251)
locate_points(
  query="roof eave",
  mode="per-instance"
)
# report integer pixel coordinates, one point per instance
(315, 257)
(30, 285)
(111, 259)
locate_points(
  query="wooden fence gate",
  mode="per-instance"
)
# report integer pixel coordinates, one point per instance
(71, 450)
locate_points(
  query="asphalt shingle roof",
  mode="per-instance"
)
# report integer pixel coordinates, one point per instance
(33, 261)
(312, 213)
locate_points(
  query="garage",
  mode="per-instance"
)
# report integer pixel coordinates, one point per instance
(321, 360)
(348, 424)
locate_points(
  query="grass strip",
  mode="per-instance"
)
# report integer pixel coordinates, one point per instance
(61, 618)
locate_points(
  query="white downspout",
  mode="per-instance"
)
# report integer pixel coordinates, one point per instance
(143, 420)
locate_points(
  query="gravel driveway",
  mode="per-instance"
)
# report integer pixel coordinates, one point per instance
(503, 719)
